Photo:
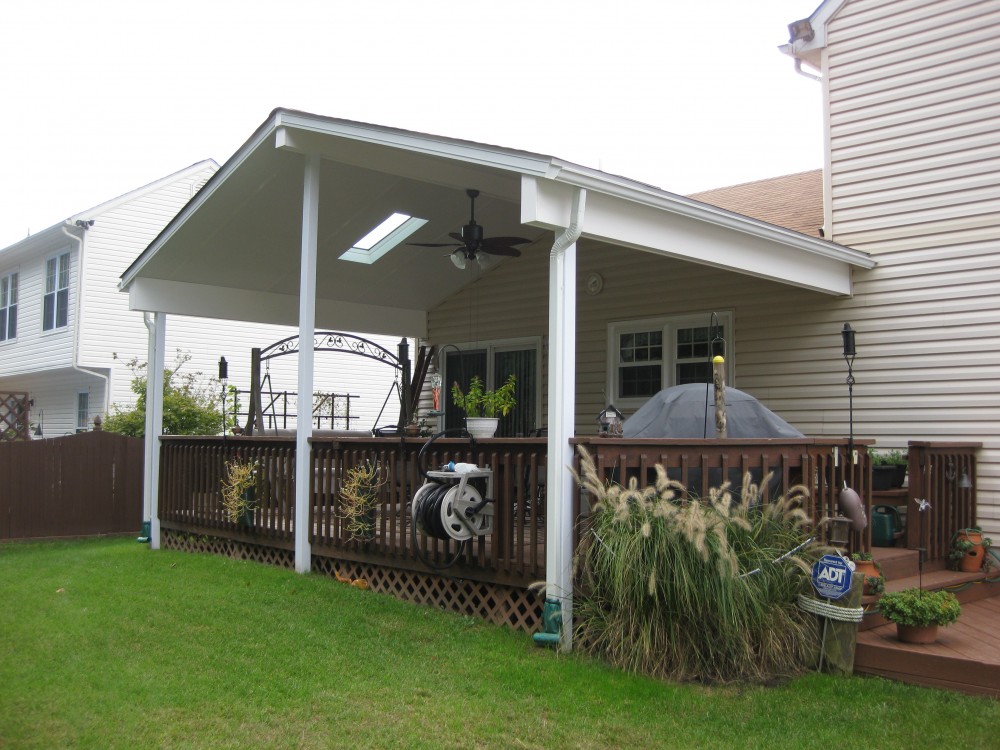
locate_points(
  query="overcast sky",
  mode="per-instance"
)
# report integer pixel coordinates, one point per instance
(103, 96)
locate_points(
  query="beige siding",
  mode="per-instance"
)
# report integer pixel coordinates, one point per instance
(914, 153)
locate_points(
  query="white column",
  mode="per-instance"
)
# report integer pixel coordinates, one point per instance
(562, 417)
(307, 328)
(156, 325)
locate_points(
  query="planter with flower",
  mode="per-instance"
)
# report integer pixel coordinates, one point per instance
(888, 469)
(968, 549)
(483, 408)
(359, 500)
(874, 578)
(918, 613)
(239, 491)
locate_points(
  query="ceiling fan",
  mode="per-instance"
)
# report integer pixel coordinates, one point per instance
(471, 242)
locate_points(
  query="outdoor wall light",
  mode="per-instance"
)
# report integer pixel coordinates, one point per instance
(38, 427)
(223, 369)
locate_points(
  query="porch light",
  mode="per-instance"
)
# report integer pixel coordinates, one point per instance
(610, 421)
(223, 377)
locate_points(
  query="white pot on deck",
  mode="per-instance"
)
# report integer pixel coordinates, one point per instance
(482, 427)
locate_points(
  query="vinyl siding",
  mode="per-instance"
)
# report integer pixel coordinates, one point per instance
(913, 91)
(111, 334)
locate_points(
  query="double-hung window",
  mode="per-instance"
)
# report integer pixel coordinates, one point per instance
(8, 307)
(494, 363)
(646, 356)
(55, 304)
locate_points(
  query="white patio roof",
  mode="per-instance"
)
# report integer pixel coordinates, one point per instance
(233, 252)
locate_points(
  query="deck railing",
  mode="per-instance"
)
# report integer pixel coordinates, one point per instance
(192, 469)
(943, 474)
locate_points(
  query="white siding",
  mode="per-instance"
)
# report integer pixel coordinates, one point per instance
(914, 154)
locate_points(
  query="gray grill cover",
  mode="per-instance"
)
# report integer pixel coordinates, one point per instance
(680, 412)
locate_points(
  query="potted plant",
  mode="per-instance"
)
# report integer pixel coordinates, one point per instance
(359, 495)
(874, 581)
(968, 549)
(918, 613)
(239, 491)
(888, 469)
(484, 408)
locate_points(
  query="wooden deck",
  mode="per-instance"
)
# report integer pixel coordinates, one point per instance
(966, 656)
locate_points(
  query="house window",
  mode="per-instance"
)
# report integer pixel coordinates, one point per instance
(55, 312)
(8, 307)
(494, 363)
(82, 411)
(646, 356)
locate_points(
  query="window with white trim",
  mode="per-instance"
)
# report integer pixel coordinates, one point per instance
(8, 307)
(646, 356)
(82, 411)
(493, 362)
(55, 303)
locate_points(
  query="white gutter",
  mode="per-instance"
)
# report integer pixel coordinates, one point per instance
(561, 424)
(84, 225)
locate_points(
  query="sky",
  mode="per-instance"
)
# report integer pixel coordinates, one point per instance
(100, 97)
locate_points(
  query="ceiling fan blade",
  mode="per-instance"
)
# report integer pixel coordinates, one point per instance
(512, 252)
(457, 237)
(434, 244)
(505, 240)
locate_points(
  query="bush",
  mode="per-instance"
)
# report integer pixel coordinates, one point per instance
(189, 406)
(920, 608)
(676, 587)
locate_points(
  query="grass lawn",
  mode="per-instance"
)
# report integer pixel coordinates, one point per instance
(106, 644)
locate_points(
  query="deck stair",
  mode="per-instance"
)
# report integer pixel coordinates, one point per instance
(967, 654)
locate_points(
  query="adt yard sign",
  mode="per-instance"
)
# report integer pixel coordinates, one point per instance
(831, 577)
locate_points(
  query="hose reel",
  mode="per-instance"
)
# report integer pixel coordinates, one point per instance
(448, 506)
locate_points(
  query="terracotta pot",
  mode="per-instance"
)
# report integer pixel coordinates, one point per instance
(916, 633)
(974, 556)
(868, 570)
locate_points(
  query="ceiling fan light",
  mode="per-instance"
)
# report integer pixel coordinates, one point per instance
(458, 258)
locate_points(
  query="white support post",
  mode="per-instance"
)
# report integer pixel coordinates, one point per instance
(562, 418)
(156, 325)
(307, 329)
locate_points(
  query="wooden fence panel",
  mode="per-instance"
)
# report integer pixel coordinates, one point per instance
(77, 485)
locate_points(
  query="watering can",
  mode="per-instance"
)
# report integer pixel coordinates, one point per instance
(887, 526)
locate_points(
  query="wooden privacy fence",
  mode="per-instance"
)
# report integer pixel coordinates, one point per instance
(77, 485)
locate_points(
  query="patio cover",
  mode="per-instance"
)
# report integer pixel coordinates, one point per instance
(263, 240)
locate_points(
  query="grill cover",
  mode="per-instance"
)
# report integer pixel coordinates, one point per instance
(682, 412)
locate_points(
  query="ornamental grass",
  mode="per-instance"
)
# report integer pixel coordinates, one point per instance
(685, 588)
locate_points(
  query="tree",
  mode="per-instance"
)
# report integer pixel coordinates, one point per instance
(190, 407)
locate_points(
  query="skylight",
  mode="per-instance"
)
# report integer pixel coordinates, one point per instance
(383, 238)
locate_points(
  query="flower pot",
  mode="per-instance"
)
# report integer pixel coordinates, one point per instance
(868, 569)
(916, 633)
(888, 476)
(482, 427)
(974, 556)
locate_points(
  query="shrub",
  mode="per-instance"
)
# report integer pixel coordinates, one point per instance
(676, 587)
(920, 608)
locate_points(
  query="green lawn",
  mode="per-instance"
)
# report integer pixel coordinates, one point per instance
(105, 644)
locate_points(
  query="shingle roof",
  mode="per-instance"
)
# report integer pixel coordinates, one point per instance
(793, 201)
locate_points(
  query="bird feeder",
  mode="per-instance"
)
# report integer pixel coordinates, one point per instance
(610, 421)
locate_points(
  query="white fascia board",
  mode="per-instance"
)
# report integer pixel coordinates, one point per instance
(687, 231)
(287, 123)
(226, 303)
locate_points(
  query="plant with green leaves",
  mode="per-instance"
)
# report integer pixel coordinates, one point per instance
(239, 489)
(888, 458)
(359, 499)
(919, 608)
(679, 587)
(479, 402)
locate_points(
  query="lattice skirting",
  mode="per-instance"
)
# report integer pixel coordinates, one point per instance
(178, 540)
(513, 607)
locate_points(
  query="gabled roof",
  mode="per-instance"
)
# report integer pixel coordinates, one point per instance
(234, 250)
(793, 201)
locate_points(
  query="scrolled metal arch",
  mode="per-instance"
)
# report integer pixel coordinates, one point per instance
(334, 341)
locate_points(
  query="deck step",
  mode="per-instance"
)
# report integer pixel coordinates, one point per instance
(896, 562)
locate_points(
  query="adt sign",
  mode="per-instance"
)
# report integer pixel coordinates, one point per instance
(831, 577)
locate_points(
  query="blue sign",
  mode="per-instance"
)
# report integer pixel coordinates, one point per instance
(831, 577)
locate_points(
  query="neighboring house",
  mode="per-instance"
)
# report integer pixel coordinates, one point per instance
(66, 332)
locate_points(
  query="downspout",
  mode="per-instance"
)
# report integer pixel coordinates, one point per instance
(805, 73)
(84, 225)
(557, 613)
